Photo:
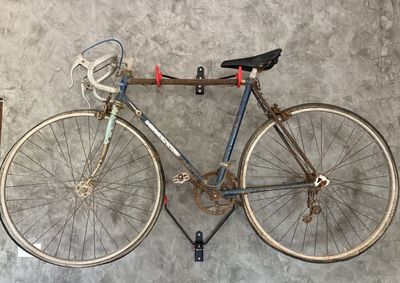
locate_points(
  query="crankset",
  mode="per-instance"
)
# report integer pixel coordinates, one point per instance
(209, 199)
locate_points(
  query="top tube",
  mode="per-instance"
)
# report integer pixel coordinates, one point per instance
(230, 82)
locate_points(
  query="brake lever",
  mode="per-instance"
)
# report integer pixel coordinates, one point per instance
(79, 61)
(85, 86)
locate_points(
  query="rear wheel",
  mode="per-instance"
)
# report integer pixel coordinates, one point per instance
(52, 211)
(342, 219)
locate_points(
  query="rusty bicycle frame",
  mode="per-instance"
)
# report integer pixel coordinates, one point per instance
(252, 85)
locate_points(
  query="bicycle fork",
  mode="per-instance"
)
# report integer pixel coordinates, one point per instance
(116, 107)
(86, 186)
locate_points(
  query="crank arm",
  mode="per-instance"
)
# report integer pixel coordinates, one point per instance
(258, 189)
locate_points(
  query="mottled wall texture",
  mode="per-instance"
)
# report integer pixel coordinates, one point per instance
(345, 52)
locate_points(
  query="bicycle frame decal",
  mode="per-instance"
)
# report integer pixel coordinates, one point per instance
(162, 138)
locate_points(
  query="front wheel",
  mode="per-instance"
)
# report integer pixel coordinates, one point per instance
(343, 218)
(53, 210)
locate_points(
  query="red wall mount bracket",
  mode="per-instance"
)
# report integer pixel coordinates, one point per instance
(239, 76)
(158, 75)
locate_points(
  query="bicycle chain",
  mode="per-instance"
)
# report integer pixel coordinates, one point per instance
(220, 205)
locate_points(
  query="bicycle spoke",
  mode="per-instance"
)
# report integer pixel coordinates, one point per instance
(109, 154)
(105, 229)
(34, 223)
(119, 166)
(72, 231)
(316, 234)
(344, 201)
(304, 237)
(358, 191)
(275, 211)
(35, 206)
(352, 162)
(292, 225)
(280, 222)
(123, 204)
(276, 157)
(301, 135)
(124, 215)
(62, 152)
(357, 181)
(330, 231)
(50, 154)
(315, 137)
(345, 216)
(297, 224)
(292, 172)
(132, 194)
(95, 232)
(118, 158)
(130, 175)
(330, 143)
(52, 175)
(86, 228)
(352, 210)
(48, 230)
(88, 162)
(347, 156)
(61, 229)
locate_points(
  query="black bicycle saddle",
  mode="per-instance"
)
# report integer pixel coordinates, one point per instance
(262, 62)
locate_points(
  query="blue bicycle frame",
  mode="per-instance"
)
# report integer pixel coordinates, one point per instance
(122, 98)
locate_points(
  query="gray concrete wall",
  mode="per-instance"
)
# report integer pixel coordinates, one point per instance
(343, 52)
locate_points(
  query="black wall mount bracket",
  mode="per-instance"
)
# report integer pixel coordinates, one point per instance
(200, 76)
(199, 242)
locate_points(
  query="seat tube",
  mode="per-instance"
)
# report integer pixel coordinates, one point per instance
(234, 132)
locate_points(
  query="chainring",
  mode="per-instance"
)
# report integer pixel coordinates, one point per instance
(209, 200)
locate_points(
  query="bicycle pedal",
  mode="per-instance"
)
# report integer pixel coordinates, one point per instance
(181, 178)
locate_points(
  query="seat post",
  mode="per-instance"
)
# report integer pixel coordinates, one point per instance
(253, 73)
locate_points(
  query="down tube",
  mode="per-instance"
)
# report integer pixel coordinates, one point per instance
(234, 133)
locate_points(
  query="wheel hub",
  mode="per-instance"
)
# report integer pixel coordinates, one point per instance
(84, 188)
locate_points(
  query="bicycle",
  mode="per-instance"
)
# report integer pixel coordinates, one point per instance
(317, 182)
